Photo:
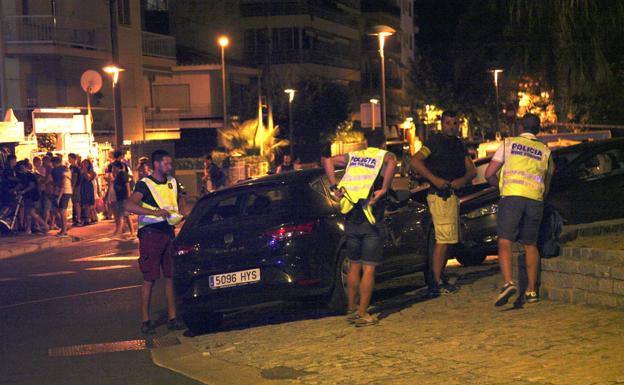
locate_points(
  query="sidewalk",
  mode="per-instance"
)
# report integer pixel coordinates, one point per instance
(458, 339)
(16, 245)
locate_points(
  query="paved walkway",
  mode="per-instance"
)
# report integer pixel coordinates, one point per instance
(460, 339)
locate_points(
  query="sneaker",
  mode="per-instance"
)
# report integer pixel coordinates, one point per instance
(448, 289)
(531, 297)
(147, 328)
(434, 291)
(352, 315)
(365, 320)
(174, 324)
(508, 290)
(62, 235)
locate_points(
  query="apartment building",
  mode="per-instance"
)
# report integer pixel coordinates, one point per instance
(46, 45)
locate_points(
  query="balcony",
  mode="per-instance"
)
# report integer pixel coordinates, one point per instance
(57, 31)
(157, 45)
(196, 116)
(255, 8)
(316, 56)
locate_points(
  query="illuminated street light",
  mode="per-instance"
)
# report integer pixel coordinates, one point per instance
(382, 31)
(291, 97)
(373, 105)
(495, 73)
(224, 42)
(114, 71)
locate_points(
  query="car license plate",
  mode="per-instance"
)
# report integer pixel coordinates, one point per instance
(235, 278)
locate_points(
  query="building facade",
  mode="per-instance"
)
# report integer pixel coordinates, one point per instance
(47, 45)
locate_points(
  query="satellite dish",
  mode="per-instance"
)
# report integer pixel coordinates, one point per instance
(91, 81)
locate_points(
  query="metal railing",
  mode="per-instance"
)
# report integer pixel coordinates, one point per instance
(158, 45)
(316, 56)
(47, 29)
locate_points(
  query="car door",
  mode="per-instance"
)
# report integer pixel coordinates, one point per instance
(591, 188)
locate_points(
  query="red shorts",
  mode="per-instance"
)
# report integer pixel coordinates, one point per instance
(155, 248)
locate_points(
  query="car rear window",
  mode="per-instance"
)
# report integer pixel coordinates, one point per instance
(267, 201)
(215, 210)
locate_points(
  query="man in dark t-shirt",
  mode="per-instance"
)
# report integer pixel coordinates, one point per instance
(156, 233)
(76, 179)
(444, 161)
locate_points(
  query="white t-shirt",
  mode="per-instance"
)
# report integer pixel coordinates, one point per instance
(499, 155)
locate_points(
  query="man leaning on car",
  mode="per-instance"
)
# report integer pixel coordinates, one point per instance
(526, 169)
(445, 162)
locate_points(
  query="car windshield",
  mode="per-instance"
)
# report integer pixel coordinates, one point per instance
(566, 156)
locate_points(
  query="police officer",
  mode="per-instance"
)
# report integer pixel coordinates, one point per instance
(526, 169)
(157, 202)
(445, 162)
(362, 191)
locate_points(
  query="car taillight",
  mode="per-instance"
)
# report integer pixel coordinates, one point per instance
(182, 250)
(290, 231)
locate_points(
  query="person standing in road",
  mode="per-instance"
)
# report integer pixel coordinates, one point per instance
(62, 192)
(286, 166)
(445, 162)
(526, 170)
(157, 202)
(362, 193)
(76, 180)
(122, 192)
(214, 178)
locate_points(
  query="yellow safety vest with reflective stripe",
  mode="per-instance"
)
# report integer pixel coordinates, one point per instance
(362, 171)
(524, 169)
(166, 197)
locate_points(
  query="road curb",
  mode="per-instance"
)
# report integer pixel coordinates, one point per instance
(186, 360)
(19, 249)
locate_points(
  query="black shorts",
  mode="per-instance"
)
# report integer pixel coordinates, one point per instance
(519, 218)
(364, 242)
(61, 203)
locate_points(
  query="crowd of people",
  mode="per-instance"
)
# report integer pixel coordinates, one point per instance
(36, 194)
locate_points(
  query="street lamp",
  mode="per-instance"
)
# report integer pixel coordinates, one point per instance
(382, 31)
(495, 73)
(291, 97)
(114, 71)
(223, 42)
(373, 106)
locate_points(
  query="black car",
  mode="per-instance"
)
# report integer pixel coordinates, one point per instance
(281, 237)
(587, 186)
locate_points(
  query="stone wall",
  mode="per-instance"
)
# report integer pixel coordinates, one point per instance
(580, 275)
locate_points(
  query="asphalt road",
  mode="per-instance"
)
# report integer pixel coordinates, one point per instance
(72, 316)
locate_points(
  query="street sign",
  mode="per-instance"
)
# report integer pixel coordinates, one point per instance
(11, 132)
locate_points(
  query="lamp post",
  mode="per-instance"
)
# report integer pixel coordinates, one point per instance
(224, 42)
(495, 73)
(373, 102)
(114, 71)
(383, 31)
(291, 97)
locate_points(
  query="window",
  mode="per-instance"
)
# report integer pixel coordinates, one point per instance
(32, 91)
(267, 202)
(123, 12)
(156, 5)
(602, 164)
(219, 210)
(61, 92)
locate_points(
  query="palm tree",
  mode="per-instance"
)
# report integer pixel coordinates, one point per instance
(573, 45)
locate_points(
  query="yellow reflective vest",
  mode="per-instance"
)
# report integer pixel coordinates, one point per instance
(524, 169)
(360, 175)
(166, 197)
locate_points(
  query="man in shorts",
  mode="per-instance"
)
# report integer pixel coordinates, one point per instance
(445, 162)
(362, 193)
(61, 177)
(526, 170)
(157, 202)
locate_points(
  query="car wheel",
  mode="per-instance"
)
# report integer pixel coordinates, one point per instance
(202, 322)
(338, 298)
(471, 260)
